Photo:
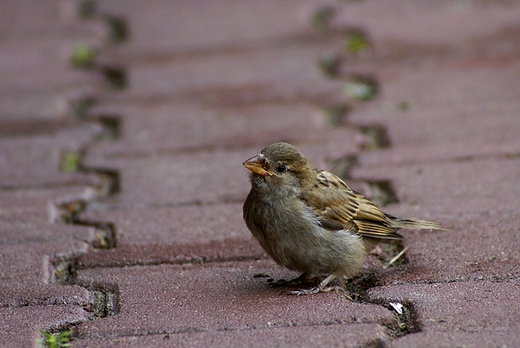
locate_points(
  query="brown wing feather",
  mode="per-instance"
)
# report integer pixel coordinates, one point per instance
(335, 204)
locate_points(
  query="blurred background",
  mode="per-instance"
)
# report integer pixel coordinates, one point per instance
(149, 77)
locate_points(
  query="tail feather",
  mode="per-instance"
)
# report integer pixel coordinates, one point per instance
(415, 224)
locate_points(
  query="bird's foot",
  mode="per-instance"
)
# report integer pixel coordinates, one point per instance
(333, 288)
(322, 287)
(314, 290)
(302, 291)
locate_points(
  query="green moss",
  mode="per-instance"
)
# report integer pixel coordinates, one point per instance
(83, 56)
(356, 42)
(57, 340)
(71, 161)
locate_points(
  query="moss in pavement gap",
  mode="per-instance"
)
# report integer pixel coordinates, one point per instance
(55, 340)
(336, 114)
(322, 17)
(356, 42)
(83, 56)
(80, 107)
(376, 136)
(86, 8)
(116, 77)
(329, 64)
(118, 28)
(361, 89)
(71, 161)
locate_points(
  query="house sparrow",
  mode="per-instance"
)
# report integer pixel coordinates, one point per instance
(310, 221)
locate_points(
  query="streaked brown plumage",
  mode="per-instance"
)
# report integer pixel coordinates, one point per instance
(309, 220)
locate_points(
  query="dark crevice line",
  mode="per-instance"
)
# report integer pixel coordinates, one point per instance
(202, 260)
(363, 88)
(62, 269)
(405, 322)
(108, 207)
(184, 330)
(72, 183)
(456, 159)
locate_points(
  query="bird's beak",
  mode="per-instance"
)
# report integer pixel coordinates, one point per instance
(258, 164)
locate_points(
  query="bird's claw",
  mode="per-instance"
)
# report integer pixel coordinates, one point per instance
(302, 292)
(313, 291)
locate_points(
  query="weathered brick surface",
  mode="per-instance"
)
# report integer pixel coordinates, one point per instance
(20, 326)
(208, 85)
(38, 160)
(167, 126)
(28, 243)
(305, 336)
(169, 234)
(216, 297)
(452, 112)
(473, 314)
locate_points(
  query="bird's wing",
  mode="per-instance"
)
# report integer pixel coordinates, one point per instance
(337, 206)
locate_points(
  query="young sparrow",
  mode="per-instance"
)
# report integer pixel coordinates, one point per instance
(310, 221)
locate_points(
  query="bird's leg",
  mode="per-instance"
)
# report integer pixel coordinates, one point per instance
(322, 287)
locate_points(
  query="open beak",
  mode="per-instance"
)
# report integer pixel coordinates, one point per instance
(258, 164)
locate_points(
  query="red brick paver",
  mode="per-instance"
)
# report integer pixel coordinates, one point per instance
(142, 243)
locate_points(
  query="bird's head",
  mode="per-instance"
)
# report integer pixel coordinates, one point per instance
(279, 165)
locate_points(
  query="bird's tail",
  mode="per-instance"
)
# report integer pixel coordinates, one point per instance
(415, 224)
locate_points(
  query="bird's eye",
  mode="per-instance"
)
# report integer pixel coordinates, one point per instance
(281, 168)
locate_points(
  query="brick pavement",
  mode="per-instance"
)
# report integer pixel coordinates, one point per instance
(121, 204)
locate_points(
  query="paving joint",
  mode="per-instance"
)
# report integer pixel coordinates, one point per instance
(376, 137)
(446, 96)
(186, 330)
(405, 319)
(456, 159)
(62, 269)
(179, 259)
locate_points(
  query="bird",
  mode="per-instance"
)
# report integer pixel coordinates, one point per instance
(310, 221)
